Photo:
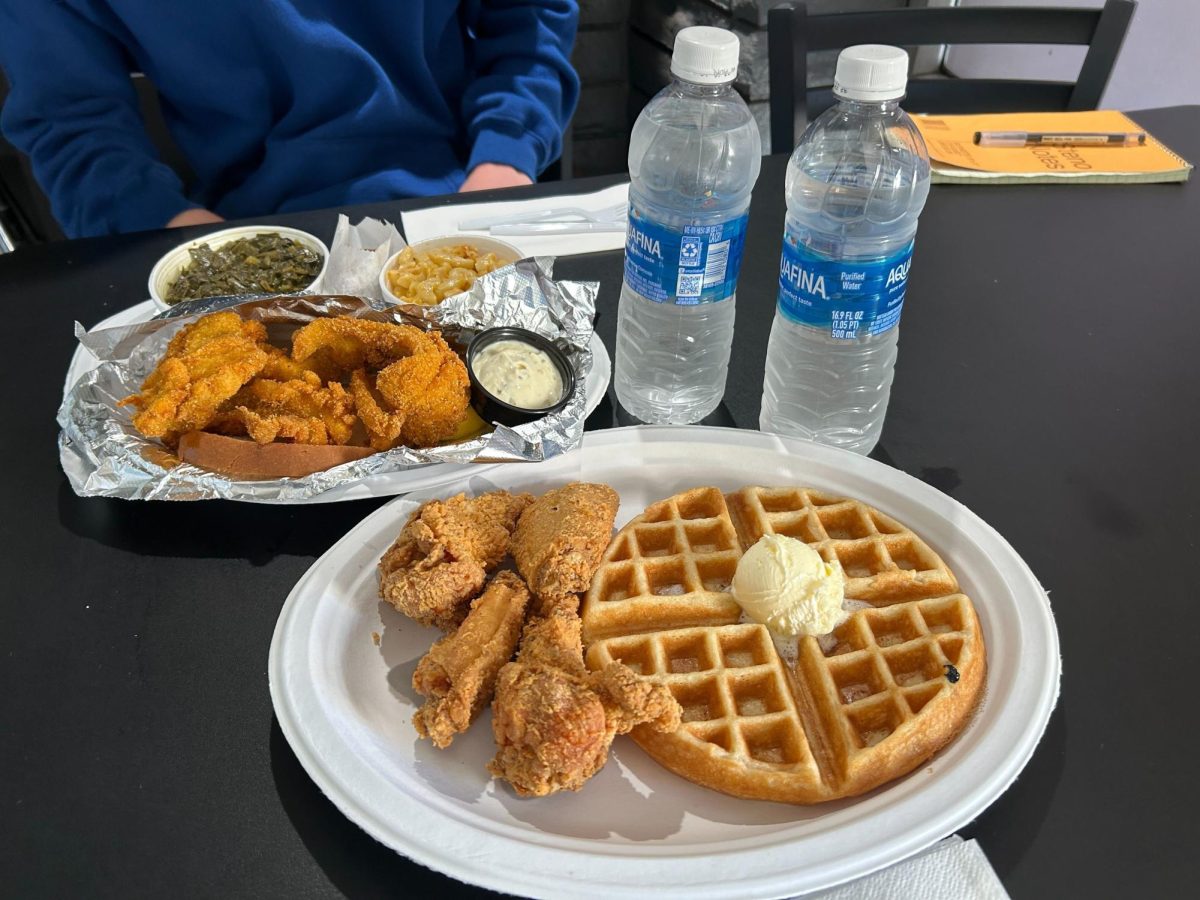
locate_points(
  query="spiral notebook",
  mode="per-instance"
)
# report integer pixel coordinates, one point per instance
(956, 158)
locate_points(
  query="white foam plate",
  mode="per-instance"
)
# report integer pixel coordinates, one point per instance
(419, 479)
(635, 829)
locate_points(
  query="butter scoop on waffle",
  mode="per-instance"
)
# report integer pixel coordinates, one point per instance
(889, 687)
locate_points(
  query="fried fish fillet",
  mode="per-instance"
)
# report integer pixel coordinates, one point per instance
(409, 385)
(351, 343)
(439, 562)
(430, 389)
(458, 674)
(281, 367)
(561, 537)
(205, 365)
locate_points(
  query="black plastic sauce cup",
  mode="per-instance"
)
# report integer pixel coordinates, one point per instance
(492, 408)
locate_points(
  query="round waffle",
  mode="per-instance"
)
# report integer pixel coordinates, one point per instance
(866, 704)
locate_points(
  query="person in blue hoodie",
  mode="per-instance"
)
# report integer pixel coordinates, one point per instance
(282, 105)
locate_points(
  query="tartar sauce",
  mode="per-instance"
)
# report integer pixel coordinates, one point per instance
(519, 374)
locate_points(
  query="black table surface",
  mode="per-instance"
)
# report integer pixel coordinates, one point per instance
(1047, 379)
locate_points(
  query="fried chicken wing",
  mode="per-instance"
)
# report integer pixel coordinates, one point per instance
(554, 721)
(439, 562)
(561, 537)
(458, 674)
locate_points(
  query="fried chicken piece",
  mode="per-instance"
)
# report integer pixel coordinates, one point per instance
(445, 551)
(554, 721)
(205, 365)
(299, 411)
(458, 674)
(561, 537)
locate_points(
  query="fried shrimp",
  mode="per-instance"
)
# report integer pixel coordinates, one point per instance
(299, 411)
(382, 425)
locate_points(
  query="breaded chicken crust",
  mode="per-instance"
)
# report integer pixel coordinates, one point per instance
(561, 537)
(444, 553)
(458, 674)
(554, 721)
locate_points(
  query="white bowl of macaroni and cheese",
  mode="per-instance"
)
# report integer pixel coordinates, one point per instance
(428, 272)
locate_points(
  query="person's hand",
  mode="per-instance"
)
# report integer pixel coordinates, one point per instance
(194, 217)
(486, 176)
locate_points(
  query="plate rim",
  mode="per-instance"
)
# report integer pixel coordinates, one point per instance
(854, 863)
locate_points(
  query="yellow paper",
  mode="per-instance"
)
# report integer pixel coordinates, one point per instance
(951, 143)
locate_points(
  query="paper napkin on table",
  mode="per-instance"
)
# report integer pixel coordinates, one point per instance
(951, 870)
(442, 221)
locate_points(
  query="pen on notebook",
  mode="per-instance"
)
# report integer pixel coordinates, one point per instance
(1060, 138)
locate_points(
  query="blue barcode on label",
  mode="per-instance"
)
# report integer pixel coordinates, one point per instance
(718, 259)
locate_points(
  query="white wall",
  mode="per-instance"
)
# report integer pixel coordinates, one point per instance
(1159, 64)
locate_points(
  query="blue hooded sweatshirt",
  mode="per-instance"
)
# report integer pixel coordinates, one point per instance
(280, 105)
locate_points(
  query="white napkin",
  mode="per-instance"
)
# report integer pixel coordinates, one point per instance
(442, 221)
(951, 870)
(357, 254)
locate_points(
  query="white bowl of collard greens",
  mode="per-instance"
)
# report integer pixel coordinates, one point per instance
(248, 259)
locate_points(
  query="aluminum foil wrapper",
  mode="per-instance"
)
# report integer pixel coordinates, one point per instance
(103, 455)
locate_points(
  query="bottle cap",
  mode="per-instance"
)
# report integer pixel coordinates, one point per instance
(705, 55)
(871, 72)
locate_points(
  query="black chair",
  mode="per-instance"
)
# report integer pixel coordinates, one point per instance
(792, 33)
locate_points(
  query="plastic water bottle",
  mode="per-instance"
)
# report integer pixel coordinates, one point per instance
(855, 186)
(694, 156)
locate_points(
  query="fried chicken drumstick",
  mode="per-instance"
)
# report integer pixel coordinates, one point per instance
(554, 720)
(458, 674)
(444, 553)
